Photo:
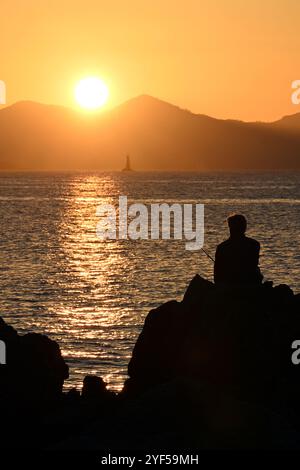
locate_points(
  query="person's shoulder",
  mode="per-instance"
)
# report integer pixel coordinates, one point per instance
(253, 242)
(224, 244)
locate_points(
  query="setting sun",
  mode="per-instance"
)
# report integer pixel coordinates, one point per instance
(91, 93)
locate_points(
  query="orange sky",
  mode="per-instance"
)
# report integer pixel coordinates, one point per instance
(225, 58)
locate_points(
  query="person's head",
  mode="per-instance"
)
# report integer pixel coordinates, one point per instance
(237, 224)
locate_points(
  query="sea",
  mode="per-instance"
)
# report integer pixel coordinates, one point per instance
(57, 277)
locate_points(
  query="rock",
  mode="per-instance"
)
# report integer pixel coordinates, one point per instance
(157, 350)
(197, 291)
(185, 415)
(73, 395)
(211, 371)
(94, 389)
(35, 369)
(236, 339)
(283, 293)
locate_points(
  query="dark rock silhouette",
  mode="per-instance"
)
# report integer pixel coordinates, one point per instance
(93, 386)
(238, 340)
(94, 390)
(35, 371)
(211, 371)
(31, 385)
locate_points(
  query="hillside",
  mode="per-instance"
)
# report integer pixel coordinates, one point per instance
(158, 135)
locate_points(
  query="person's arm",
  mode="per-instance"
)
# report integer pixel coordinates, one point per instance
(256, 253)
(259, 276)
(217, 267)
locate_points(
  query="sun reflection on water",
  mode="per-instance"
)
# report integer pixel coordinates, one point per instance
(92, 296)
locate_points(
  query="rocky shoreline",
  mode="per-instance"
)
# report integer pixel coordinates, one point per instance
(211, 371)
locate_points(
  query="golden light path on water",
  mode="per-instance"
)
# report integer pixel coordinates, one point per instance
(96, 265)
(91, 296)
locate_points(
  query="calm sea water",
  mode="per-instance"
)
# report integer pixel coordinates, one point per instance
(58, 278)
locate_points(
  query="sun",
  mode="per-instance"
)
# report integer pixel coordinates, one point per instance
(91, 93)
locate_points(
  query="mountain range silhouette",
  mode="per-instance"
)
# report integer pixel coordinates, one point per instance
(157, 135)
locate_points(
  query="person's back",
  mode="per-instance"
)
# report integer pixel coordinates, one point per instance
(237, 259)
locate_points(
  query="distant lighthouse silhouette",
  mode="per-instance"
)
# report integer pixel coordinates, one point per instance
(127, 164)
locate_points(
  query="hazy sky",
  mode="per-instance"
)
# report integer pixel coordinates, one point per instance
(229, 59)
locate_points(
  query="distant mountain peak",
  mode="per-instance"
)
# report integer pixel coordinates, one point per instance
(28, 105)
(291, 122)
(157, 134)
(147, 98)
(146, 103)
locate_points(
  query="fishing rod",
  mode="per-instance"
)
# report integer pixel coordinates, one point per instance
(208, 255)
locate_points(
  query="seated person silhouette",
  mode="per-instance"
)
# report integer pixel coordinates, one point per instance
(237, 259)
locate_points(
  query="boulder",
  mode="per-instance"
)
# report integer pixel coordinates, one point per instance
(235, 339)
(94, 390)
(35, 370)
